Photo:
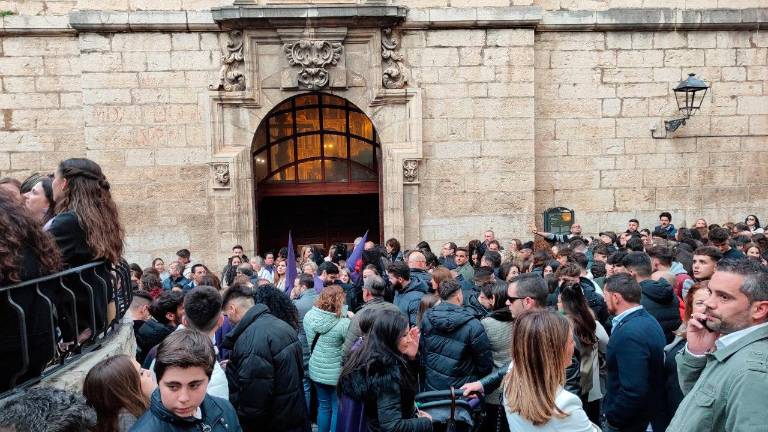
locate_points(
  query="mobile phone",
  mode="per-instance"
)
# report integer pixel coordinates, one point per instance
(703, 322)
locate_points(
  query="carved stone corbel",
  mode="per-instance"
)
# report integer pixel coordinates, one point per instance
(221, 175)
(232, 71)
(313, 56)
(411, 171)
(393, 72)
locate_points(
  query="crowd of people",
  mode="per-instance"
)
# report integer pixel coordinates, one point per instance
(642, 329)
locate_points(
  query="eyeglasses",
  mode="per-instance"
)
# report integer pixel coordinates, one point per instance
(514, 299)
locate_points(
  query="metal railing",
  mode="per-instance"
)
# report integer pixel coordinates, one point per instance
(90, 300)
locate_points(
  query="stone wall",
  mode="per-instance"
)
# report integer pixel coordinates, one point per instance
(478, 130)
(508, 112)
(41, 102)
(599, 93)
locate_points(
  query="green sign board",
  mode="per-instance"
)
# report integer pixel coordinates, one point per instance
(558, 220)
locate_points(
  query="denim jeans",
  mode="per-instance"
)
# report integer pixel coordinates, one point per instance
(327, 407)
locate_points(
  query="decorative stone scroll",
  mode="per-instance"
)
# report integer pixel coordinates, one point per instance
(313, 56)
(232, 71)
(393, 76)
(221, 174)
(411, 170)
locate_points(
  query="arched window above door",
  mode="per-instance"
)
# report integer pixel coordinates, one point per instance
(315, 138)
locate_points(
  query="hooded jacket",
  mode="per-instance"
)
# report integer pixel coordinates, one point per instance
(454, 346)
(421, 276)
(218, 416)
(659, 300)
(498, 326)
(387, 389)
(325, 360)
(408, 300)
(265, 372)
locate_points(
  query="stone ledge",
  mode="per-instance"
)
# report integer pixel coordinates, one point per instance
(482, 17)
(27, 25)
(71, 377)
(655, 19)
(115, 21)
(301, 16)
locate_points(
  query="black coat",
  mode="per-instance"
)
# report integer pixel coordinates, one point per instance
(388, 390)
(595, 302)
(217, 416)
(265, 372)
(149, 336)
(635, 374)
(661, 302)
(454, 347)
(409, 298)
(71, 241)
(37, 318)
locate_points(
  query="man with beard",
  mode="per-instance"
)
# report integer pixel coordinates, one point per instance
(408, 292)
(723, 369)
(634, 361)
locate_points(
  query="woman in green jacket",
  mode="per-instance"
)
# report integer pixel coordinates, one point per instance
(326, 329)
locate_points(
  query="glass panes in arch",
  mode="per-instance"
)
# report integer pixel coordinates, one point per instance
(315, 138)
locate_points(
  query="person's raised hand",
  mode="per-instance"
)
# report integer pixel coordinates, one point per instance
(423, 414)
(700, 339)
(471, 390)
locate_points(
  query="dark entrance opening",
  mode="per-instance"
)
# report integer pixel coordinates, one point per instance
(316, 163)
(317, 219)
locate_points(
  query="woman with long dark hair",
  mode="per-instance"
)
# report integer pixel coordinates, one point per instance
(228, 277)
(86, 228)
(26, 253)
(498, 326)
(590, 339)
(534, 398)
(753, 223)
(118, 389)
(39, 200)
(383, 375)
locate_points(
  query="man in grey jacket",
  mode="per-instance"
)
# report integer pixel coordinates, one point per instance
(723, 369)
(373, 295)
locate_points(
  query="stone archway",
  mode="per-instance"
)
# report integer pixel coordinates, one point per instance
(396, 115)
(316, 160)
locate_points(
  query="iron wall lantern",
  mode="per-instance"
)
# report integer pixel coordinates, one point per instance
(689, 95)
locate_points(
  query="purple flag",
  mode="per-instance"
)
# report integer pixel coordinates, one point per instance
(354, 256)
(290, 272)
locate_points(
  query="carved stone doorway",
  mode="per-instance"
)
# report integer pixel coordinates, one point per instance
(310, 154)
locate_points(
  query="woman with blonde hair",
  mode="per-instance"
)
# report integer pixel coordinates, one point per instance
(534, 398)
(326, 328)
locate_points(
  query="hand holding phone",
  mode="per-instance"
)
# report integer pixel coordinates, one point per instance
(701, 337)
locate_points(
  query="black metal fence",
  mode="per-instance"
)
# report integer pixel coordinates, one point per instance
(52, 321)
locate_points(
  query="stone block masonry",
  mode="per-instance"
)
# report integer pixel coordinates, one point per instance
(512, 106)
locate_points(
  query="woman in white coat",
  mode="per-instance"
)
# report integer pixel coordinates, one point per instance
(534, 398)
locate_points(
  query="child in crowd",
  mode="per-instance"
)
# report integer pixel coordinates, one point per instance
(183, 368)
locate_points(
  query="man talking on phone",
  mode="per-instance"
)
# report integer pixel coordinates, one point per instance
(723, 369)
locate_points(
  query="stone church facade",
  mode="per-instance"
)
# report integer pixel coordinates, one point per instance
(457, 116)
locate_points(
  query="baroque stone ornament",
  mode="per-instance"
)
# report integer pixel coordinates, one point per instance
(231, 73)
(313, 56)
(393, 76)
(410, 170)
(221, 173)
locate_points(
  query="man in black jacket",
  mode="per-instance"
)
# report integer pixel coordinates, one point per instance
(454, 346)
(167, 311)
(658, 298)
(265, 368)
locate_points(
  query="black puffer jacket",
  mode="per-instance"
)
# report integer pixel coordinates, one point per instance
(454, 347)
(265, 373)
(659, 300)
(388, 389)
